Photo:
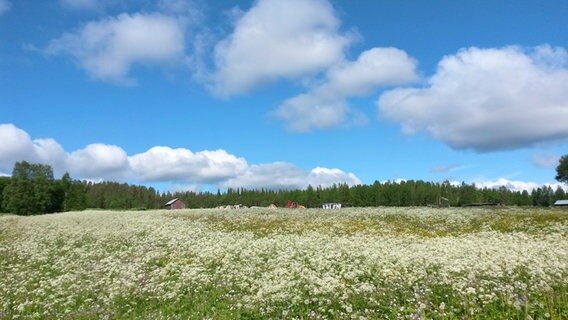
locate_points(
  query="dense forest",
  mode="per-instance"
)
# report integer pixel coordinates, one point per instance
(32, 189)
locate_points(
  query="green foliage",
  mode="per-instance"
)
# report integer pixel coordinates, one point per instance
(562, 170)
(544, 196)
(76, 197)
(113, 195)
(121, 196)
(4, 181)
(57, 197)
(30, 189)
(468, 194)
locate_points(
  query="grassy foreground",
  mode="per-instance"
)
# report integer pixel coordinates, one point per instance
(374, 263)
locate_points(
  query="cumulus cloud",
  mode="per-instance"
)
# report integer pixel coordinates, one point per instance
(488, 99)
(278, 39)
(326, 177)
(375, 67)
(5, 5)
(108, 49)
(282, 175)
(165, 163)
(307, 112)
(277, 175)
(98, 161)
(93, 162)
(545, 160)
(181, 167)
(301, 40)
(325, 106)
(17, 145)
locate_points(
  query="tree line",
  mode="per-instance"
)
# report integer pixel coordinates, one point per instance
(32, 189)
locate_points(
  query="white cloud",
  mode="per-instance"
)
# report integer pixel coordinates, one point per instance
(93, 162)
(374, 68)
(17, 145)
(98, 161)
(488, 99)
(183, 168)
(278, 39)
(301, 40)
(109, 48)
(5, 5)
(516, 185)
(513, 185)
(325, 106)
(277, 175)
(49, 151)
(180, 167)
(165, 163)
(546, 160)
(282, 175)
(306, 112)
(326, 177)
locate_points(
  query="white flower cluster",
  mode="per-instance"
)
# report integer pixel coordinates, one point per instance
(353, 263)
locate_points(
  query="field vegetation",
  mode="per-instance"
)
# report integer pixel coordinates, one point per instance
(364, 263)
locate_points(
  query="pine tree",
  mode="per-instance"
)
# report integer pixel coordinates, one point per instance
(562, 170)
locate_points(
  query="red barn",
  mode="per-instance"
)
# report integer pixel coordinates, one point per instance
(175, 204)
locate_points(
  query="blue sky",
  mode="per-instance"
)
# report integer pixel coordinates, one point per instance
(199, 95)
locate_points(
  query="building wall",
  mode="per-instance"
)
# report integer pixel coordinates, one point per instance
(177, 205)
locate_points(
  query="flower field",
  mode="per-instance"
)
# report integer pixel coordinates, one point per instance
(371, 263)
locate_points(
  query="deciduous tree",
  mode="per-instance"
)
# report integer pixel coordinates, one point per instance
(30, 189)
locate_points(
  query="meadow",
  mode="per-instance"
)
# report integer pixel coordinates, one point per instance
(367, 263)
